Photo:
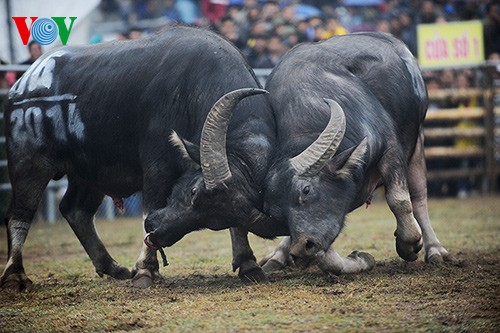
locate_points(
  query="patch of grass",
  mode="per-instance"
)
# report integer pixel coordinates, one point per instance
(201, 294)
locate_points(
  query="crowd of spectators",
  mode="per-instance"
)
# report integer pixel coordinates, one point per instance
(265, 29)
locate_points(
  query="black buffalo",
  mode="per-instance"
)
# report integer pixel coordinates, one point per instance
(349, 114)
(122, 117)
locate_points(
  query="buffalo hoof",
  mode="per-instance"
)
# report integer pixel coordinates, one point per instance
(17, 282)
(435, 259)
(356, 262)
(367, 260)
(250, 272)
(448, 258)
(116, 271)
(122, 274)
(254, 275)
(439, 256)
(303, 263)
(408, 251)
(143, 279)
(273, 265)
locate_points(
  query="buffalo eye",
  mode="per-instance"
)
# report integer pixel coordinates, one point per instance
(306, 189)
(194, 190)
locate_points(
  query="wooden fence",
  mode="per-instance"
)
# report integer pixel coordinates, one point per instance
(441, 126)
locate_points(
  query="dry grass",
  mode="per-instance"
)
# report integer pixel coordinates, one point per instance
(200, 293)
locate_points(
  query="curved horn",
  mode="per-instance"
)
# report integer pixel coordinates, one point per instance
(214, 164)
(313, 158)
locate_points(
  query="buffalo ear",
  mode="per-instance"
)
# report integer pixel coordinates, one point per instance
(342, 165)
(187, 149)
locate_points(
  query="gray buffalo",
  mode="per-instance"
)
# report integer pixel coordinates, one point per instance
(349, 115)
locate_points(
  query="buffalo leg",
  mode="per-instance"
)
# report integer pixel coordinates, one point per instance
(28, 184)
(244, 259)
(434, 251)
(356, 262)
(79, 206)
(279, 258)
(408, 233)
(330, 262)
(146, 268)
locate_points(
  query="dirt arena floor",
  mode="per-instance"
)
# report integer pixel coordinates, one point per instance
(200, 293)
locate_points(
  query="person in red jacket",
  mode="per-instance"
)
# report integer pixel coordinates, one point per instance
(214, 10)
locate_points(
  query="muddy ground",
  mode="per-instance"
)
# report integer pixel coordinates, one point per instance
(201, 294)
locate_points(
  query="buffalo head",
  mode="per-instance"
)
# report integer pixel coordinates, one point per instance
(207, 195)
(314, 190)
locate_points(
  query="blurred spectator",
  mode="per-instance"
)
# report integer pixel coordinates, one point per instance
(408, 32)
(256, 51)
(491, 25)
(240, 18)
(170, 11)
(465, 185)
(122, 36)
(333, 28)
(251, 12)
(395, 25)
(214, 10)
(288, 35)
(383, 26)
(441, 19)
(496, 75)
(288, 14)
(276, 50)
(134, 33)
(188, 11)
(228, 29)
(4, 82)
(303, 31)
(109, 8)
(308, 29)
(147, 9)
(428, 13)
(432, 84)
(270, 12)
(35, 51)
(260, 28)
(447, 79)
(350, 18)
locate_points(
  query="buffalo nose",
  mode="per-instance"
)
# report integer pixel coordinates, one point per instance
(303, 248)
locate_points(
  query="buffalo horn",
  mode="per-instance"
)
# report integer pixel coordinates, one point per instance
(213, 159)
(313, 158)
